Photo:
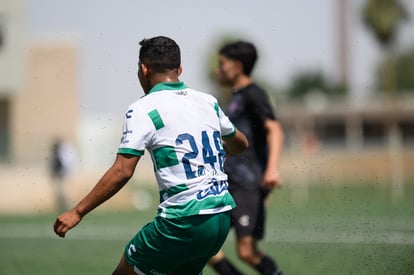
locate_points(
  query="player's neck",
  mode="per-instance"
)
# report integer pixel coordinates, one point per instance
(241, 82)
(160, 78)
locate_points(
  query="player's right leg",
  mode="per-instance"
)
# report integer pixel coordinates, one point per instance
(124, 268)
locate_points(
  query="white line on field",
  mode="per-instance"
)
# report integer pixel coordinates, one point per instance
(287, 235)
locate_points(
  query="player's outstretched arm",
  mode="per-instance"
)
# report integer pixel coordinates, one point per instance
(236, 144)
(275, 137)
(110, 183)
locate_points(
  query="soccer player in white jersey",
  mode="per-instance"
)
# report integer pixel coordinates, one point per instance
(185, 132)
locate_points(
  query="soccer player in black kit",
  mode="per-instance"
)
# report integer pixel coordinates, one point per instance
(253, 174)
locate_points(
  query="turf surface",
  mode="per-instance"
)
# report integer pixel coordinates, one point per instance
(344, 229)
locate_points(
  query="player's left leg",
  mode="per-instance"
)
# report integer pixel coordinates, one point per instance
(207, 239)
(266, 265)
(124, 268)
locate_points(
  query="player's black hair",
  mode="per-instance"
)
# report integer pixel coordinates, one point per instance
(160, 54)
(242, 51)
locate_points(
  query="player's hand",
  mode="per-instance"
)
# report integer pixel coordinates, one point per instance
(271, 179)
(65, 222)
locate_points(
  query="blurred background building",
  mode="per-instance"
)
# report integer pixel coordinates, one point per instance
(38, 89)
(332, 136)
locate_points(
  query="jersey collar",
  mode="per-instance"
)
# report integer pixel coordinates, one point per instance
(236, 90)
(168, 86)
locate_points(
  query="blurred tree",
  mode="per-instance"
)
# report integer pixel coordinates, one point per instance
(404, 66)
(382, 18)
(305, 83)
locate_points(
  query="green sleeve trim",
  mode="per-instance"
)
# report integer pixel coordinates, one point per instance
(216, 108)
(231, 134)
(129, 151)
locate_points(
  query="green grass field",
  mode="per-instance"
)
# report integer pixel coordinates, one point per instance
(344, 229)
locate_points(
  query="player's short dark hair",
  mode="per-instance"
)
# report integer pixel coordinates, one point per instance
(242, 51)
(160, 54)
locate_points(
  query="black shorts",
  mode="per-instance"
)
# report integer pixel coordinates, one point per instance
(248, 218)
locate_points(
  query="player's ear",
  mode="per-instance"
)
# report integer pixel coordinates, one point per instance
(179, 70)
(239, 66)
(144, 69)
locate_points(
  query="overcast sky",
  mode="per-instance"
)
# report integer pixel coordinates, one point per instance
(290, 35)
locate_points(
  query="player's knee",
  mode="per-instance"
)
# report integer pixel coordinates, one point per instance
(246, 255)
(216, 258)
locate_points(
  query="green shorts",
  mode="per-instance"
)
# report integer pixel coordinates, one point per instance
(178, 246)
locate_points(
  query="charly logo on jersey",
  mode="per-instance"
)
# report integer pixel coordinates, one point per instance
(128, 113)
(216, 188)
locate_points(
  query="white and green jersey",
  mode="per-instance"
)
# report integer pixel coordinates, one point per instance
(182, 129)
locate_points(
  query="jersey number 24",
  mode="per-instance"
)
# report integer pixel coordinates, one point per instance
(209, 157)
